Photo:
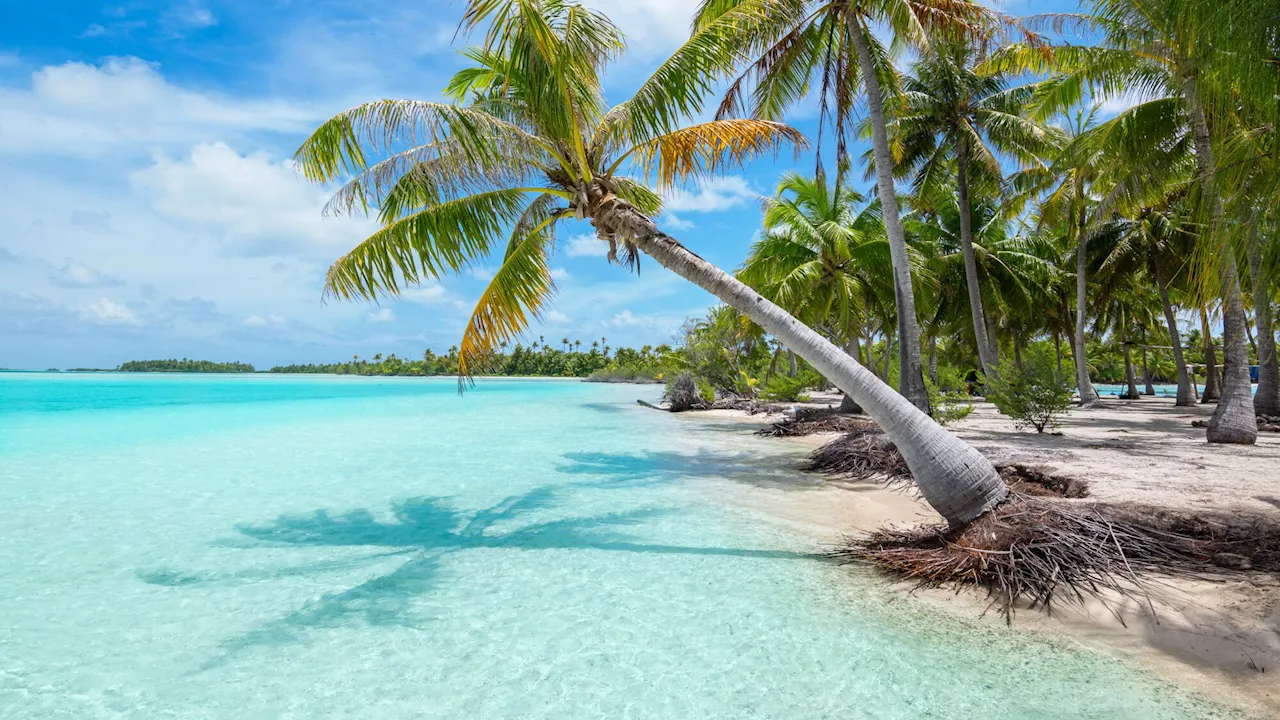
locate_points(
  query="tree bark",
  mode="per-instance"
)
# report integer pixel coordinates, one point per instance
(1148, 388)
(954, 478)
(971, 262)
(1211, 392)
(1129, 377)
(933, 360)
(792, 371)
(1057, 349)
(1266, 401)
(912, 373)
(1233, 420)
(1088, 396)
(1186, 389)
(848, 405)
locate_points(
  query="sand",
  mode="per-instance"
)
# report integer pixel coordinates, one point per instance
(1219, 636)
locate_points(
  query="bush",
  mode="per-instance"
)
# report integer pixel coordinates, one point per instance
(948, 405)
(781, 388)
(1036, 396)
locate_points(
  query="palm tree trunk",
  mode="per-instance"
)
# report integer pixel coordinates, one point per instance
(1148, 388)
(888, 356)
(933, 359)
(971, 262)
(912, 382)
(791, 364)
(1233, 420)
(1211, 390)
(1266, 401)
(1057, 349)
(954, 478)
(1088, 396)
(1129, 376)
(847, 404)
(1186, 389)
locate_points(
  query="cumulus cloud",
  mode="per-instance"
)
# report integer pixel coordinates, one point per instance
(555, 316)
(77, 275)
(675, 222)
(262, 205)
(125, 105)
(260, 321)
(586, 246)
(381, 315)
(714, 195)
(108, 312)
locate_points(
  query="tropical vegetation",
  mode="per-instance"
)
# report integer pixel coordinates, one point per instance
(1010, 211)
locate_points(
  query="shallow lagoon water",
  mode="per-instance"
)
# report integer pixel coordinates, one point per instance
(249, 546)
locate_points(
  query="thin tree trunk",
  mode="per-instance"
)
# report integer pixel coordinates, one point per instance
(1266, 401)
(1186, 388)
(1233, 420)
(888, 356)
(911, 372)
(847, 404)
(1088, 396)
(1129, 377)
(994, 336)
(933, 359)
(792, 371)
(1148, 388)
(987, 362)
(954, 478)
(1211, 390)
(1057, 349)
(1017, 353)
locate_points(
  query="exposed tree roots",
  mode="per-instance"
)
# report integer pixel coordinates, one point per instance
(1041, 550)
(1266, 423)
(832, 422)
(862, 454)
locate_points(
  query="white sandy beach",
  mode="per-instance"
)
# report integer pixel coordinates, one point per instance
(1219, 636)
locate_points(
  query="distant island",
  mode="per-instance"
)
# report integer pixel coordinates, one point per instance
(597, 362)
(185, 366)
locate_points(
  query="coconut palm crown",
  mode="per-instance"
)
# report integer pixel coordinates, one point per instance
(528, 142)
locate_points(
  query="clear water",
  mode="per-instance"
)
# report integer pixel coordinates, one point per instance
(299, 547)
(1161, 390)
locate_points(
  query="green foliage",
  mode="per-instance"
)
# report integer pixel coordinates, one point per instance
(781, 388)
(185, 366)
(1036, 396)
(949, 405)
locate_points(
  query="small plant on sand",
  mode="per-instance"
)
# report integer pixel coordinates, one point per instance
(949, 401)
(1036, 396)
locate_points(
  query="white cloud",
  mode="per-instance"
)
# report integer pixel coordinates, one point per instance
(122, 105)
(382, 315)
(260, 321)
(106, 311)
(624, 319)
(555, 316)
(559, 273)
(715, 195)
(1118, 103)
(432, 293)
(263, 206)
(189, 16)
(675, 222)
(586, 246)
(653, 27)
(76, 275)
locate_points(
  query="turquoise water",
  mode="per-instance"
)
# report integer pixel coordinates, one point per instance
(1161, 390)
(300, 547)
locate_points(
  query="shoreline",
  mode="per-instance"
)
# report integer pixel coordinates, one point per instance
(1218, 636)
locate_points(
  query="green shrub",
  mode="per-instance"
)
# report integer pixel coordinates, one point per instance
(781, 388)
(1037, 396)
(948, 405)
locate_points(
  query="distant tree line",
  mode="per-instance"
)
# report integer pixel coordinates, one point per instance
(185, 365)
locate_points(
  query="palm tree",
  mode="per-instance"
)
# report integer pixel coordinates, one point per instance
(821, 259)
(537, 145)
(956, 117)
(1163, 48)
(791, 42)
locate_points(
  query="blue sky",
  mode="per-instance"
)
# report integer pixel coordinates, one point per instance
(149, 208)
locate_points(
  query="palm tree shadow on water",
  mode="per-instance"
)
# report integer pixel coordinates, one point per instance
(424, 531)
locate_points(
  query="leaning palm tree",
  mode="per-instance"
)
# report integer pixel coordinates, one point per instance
(536, 145)
(790, 43)
(956, 122)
